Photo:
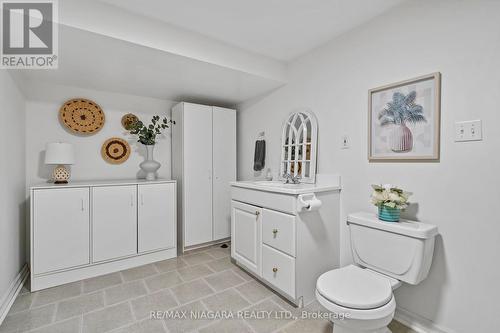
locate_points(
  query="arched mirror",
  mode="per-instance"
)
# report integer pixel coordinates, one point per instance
(298, 146)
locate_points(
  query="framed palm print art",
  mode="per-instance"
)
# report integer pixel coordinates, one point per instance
(404, 120)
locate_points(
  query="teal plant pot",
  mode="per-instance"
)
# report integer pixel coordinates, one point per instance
(389, 214)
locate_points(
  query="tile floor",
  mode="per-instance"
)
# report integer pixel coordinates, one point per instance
(122, 302)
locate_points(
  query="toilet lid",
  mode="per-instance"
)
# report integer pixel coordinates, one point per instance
(354, 288)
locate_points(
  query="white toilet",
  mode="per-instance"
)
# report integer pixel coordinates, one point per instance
(387, 254)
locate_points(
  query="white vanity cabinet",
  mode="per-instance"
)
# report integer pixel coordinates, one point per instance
(86, 229)
(280, 244)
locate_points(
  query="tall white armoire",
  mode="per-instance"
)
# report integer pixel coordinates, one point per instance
(203, 163)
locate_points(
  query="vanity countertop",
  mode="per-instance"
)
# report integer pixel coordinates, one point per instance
(331, 183)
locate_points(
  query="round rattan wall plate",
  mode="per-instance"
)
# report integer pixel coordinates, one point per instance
(115, 151)
(82, 116)
(129, 120)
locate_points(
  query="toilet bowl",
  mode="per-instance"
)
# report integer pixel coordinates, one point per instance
(360, 296)
(359, 299)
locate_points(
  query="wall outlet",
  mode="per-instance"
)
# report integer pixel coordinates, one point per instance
(345, 142)
(471, 130)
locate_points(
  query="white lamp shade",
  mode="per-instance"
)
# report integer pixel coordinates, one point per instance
(59, 153)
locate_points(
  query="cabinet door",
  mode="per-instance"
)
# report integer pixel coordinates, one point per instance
(246, 244)
(156, 218)
(61, 229)
(114, 226)
(224, 169)
(197, 187)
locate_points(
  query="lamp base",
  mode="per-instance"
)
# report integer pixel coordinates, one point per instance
(61, 175)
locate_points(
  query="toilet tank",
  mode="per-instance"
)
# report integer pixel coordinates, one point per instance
(402, 250)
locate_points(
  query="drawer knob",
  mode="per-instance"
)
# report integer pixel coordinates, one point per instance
(257, 213)
(275, 231)
(275, 269)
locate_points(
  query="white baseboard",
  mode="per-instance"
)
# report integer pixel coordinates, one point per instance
(418, 323)
(11, 294)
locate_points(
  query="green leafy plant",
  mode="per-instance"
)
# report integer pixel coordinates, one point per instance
(402, 110)
(387, 195)
(147, 133)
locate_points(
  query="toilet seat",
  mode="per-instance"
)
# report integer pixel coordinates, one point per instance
(355, 288)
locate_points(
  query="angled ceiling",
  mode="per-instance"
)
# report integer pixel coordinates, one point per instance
(220, 52)
(281, 29)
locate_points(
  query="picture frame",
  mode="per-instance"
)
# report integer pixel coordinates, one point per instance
(404, 120)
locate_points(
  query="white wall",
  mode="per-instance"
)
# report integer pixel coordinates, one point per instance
(12, 183)
(42, 126)
(460, 39)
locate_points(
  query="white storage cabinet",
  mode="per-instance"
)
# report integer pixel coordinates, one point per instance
(81, 230)
(203, 163)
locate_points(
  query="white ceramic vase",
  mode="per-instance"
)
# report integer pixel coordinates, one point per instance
(150, 166)
(401, 139)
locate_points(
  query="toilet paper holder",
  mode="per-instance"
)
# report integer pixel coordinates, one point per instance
(308, 202)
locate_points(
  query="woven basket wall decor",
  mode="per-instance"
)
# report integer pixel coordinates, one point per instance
(129, 120)
(82, 116)
(115, 150)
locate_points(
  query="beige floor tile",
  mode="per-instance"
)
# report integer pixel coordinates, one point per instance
(162, 281)
(160, 301)
(59, 293)
(221, 264)
(79, 305)
(194, 272)
(28, 320)
(227, 326)
(309, 325)
(218, 252)
(190, 291)
(224, 280)
(229, 300)
(397, 327)
(275, 320)
(170, 264)
(145, 326)
(254, 291)
(197, 258)
(107, 319)
(183, 325)
(244, 275)
(68, 326)
(22, 303)
(296, 311)
(140, 272)
(101, 282)
(124, 292)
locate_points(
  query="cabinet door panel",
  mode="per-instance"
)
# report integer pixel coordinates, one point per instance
(157, 217)
(115, 222)
(224, 169)
(197, 187)
(61, 229)
(246, 235)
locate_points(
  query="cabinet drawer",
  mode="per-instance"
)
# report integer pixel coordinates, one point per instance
(278, 231)
(279, 270)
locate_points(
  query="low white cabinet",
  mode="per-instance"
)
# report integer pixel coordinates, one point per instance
(81, 230)
(276, 242)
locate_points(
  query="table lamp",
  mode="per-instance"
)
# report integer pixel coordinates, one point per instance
(60, 154)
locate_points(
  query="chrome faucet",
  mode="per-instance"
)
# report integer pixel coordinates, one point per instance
(289, 179)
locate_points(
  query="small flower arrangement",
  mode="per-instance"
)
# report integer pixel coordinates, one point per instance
(390, 201)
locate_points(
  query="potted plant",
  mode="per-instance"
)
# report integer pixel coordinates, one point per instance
(147, 136)
(390, 201)
(402, 110)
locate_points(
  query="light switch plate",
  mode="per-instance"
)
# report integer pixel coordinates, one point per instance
(471, 130)
(345, 142)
